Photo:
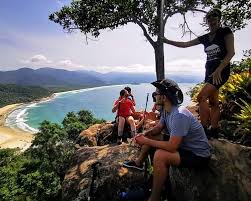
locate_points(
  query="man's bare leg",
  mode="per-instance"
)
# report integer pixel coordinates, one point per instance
(161, 163)
(145, 150)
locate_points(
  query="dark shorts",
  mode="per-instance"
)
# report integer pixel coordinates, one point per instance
(224, 77)
(189, 160)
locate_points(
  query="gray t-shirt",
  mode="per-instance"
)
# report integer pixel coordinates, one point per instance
(181, 122)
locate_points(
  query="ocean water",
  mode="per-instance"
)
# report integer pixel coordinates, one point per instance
(98, 100)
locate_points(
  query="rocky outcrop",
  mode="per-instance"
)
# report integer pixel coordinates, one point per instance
(228, 176)
(111, 178)
(97, 134)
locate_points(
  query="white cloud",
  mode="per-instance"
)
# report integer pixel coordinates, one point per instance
(185, 66)
(69, 64)
(38, 59)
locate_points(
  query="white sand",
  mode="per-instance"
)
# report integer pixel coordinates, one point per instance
(13, 138)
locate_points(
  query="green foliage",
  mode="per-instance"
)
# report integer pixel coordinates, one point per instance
(39, 181)
(245, 119)
(37, 174)
(10, 94)
(244, 64)
(193, 93)
(92, 16)
(75, 123)
(87, 118)
(9, 189)
(238, 86)
(52, 145)
(6, 155)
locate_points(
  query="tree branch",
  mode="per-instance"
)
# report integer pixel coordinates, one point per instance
(145, 32)
(185, 26)
(198, 10)
(169, 15)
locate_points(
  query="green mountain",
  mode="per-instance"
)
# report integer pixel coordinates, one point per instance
(10, 94)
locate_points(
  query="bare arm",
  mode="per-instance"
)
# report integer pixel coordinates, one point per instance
(182, 44)
(115, 107)
(155, 130)
(229, 41)
(133, 100)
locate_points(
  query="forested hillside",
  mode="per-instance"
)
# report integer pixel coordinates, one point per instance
(11, 93)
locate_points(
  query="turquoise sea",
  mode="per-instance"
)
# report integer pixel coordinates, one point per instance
(98, 100)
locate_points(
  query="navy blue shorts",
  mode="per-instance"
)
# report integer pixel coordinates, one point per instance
(189, 160)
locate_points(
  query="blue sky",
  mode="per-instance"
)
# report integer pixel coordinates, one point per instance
(29, 39)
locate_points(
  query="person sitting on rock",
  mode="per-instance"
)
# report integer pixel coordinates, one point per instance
(124, 108)
(131, 97)
(187, 145)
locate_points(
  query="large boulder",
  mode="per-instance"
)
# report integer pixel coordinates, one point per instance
(112, 176)
(227, 178)
(94, 135)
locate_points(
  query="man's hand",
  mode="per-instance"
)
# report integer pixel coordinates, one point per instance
(141, 139)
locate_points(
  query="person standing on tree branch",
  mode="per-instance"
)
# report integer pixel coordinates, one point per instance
(219, 47)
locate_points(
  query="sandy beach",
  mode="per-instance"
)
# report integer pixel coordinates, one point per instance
(10, 137)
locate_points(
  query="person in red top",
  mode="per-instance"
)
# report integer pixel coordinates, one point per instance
(124, 108)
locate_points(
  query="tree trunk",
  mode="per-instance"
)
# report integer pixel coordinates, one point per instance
(159, 60)
(159, 46)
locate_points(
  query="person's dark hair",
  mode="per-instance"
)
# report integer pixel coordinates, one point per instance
(122, 92)
(128, 89)
(170, 89)
(215, 12)
(154, 96)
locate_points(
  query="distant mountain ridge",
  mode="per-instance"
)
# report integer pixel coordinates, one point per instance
(52, 77)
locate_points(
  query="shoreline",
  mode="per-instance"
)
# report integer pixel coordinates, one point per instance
(16, 137)
(11, 137)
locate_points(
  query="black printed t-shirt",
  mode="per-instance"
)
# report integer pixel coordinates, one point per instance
(215, 50)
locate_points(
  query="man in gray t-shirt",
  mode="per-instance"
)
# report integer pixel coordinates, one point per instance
(187, 145)
(181, 122)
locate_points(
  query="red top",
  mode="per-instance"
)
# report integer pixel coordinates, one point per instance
(124, 108)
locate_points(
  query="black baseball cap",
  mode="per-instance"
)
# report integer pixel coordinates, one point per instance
(170, 89)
